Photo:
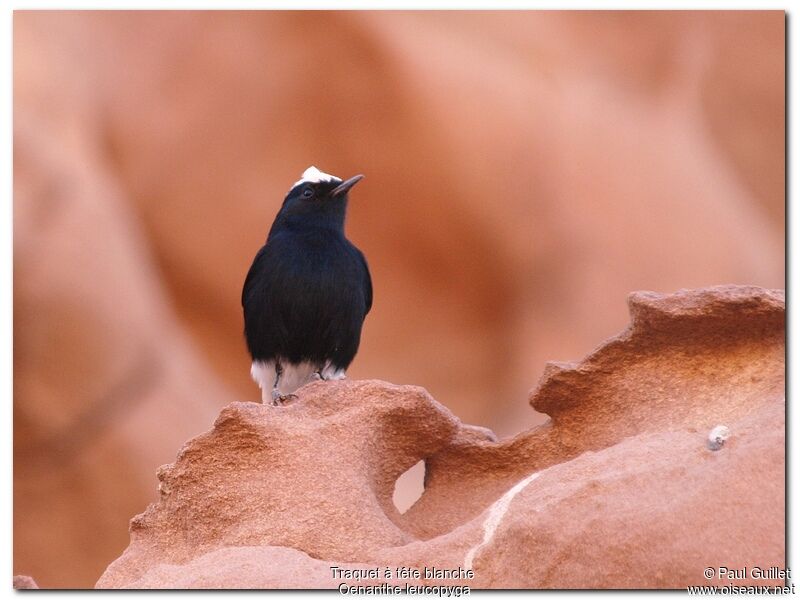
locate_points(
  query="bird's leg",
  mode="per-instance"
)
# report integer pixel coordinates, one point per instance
(277, 397)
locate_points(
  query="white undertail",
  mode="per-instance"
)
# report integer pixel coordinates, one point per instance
(293, 377)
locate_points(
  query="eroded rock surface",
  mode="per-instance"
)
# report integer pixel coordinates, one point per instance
(619, 489)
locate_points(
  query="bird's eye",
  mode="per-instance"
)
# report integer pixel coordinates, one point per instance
(308, 192)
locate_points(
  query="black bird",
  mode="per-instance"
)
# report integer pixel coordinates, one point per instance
(307, 292)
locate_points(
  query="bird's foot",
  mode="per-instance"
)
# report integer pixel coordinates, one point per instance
(279, 399)
(317, 376)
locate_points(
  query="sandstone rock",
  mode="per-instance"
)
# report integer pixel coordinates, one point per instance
(245, 567)
(270, 475)
(694, 359)
(618, 490)
(649, 512)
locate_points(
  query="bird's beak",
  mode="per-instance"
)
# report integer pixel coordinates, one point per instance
(343, 187)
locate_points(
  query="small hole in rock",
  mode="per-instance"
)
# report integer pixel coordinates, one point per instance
(409, 487)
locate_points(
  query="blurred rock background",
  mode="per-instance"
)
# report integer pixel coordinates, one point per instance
(525, 172)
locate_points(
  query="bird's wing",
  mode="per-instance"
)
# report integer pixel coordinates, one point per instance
(367, 282)
(251, 273)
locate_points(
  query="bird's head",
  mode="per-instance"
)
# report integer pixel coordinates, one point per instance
(317, 198)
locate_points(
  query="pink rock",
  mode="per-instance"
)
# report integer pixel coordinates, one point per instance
(618, 490)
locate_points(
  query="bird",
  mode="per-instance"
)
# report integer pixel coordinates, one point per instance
(307, 292)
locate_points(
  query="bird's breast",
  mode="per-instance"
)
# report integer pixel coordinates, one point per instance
(320, 263)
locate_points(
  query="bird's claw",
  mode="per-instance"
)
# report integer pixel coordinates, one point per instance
(282, 399)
